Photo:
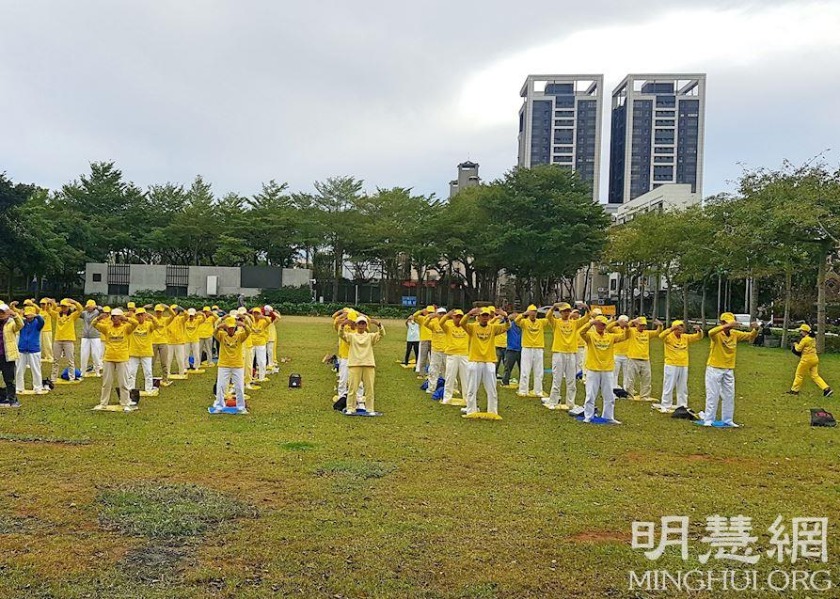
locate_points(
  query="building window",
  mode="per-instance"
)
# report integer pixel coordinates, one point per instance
(117, 289)
(176, 291)
(97, 277)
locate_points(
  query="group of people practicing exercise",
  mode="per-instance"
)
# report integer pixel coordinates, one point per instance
(116, 342)
(457, 350)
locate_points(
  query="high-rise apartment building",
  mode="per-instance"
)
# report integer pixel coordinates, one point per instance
(560, 123)
(657, 134)
(467, 177)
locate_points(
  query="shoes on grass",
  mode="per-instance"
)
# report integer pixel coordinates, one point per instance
(828, 392)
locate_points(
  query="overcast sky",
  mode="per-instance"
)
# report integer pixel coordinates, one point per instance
(395, 93)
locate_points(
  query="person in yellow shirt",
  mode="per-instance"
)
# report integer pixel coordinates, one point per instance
(231, 333)
(47, 307)
(622, 363)
(425, 341)
(176, 338)
(533, 350)
(600, 362)
(344, 320)
(160, 341)
(564, 355)
(720, 368)
(482, 357)
(271, 347)
(638, 356)
(809, 363)
(581, 349)
(500, 343)
(11, 324)
(192, 343)
(259, 341)
(675, 379)
(437, 355)
(140, 350)
(64, 347)
(457, 354)
(361, 361)
(205, 336)
(116, 332)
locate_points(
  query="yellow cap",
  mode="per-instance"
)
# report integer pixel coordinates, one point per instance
(205, 309)
(727, 317)
(805, 328)
(352, 315)
(230, 321)
(430, 308)
(173, 306)
(29, 310)
(215, 307)
(43, 301)
(601, 318)
(678, 323)
(106, 309)
(256, 311)
(140, 311)
(641, 320)
(131, 305)
(159, 307)
(487, 310)
(531, 307)
(65, 303)
(90, 304)
(597, 311)
(563, 306)
(458, 313)
(28, 302)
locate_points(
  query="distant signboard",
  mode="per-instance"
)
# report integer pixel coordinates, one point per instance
(409, 300)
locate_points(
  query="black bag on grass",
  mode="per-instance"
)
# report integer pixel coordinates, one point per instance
(819, 417)
(620, 393)
(340, 403)
(685, 413)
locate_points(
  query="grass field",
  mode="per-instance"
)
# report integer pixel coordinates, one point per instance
(297, 500)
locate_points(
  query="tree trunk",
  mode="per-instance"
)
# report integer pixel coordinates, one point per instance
(821, 303)
(641, 296)
(667, 301)
(655, 308)
(753, 298)
(719, 289)
(703, 306)
(685, 302)
(786, 319)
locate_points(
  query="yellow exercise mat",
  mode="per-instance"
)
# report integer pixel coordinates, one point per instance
(32, 392)
(91, 375)
(482, 416)
(456, 401)
(154, 393)
(265, 380)
(196, 371)
(639, 398)
(111, 408)
(63, 382)
(252, 387)
(165, 383)
(177, 377)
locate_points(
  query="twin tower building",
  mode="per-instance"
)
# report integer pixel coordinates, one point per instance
(656, 131)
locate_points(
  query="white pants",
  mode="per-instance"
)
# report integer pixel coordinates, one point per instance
(621, 364)
(206, 346)
(456, 367)
(637, 371)
(599, 380)
(532, 361)
(720, 386)
(563, 365)
(482, 373)
(193, 348)
(33, 360)
(437, 366)
(269, 352)
(675, 379)
(259, 352)
(235, 376)
(344, 380)
(423, 356)
(179, 353)
(133, 363)
(581, 358)
(91, 350)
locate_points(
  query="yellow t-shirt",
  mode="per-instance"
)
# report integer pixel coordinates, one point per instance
(48, 321)
(676, 348)
(272, 330)
(192, 325)
(566, 338)
(438, 334)
(808, 348)
(600, 349)
(482, 346)
(160, 335)
(176, 333)
(361, 347)
(140, 342)
(230, 348)
(65, 326)
(638, 346)
(259, 332)
(457, 340)
(116, 339)
(533, 332)
(205, 329)
(723, 348)
(343, 346)
(425, 333)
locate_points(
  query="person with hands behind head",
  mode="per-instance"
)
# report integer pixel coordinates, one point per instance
(361, 361)
(64, 347)
(675, 380)
(29, 349)
(47, 307)
(638, 356)
(482, 358)
(91, 340)
(116, 330)
(533, 349)
(425, 340)
(231, 331)
(564, 355)
(457, 354)
(140, 350)
(600, 361)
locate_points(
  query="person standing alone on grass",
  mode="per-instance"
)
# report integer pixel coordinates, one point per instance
(116, 331)
(412, 340)
(564, 355)
(533, 349)
(10, 324)
(809, 363)
(231, 333)
(600, 362)
(482, 366)
(720, 369)
(361, 361)
(29, 349)
(675, 380)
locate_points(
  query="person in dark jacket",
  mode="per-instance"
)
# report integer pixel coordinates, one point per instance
(29, 350)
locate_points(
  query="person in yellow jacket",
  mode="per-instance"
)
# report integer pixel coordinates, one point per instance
(581, 348)
(457, 352)
(259, 341)
(176, 338)
(205, 335)
(600, 362)
(140, 350)
(437, 349)
(160, 341)
(675, 378)
(482, 357)
(500, 342)
(638, 357)
(271, 347)
(809, 363)
(231, 332)
(64, 347)
(116, 332)
(622, 363)
(361, 361)
(10, 325)
(720, 368)
(564, 350)
(192, 344)
(533, 350)
(47, 306)
(425, 341)
(345, 320)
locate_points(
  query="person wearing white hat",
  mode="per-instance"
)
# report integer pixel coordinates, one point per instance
(91, 341)
(271, 346)
(600, 362)
(720, 368)
(192, 325)
(231, 332)
(809, 363)
(10, 324)
(533, 351)
(116, 331)
(564, 356)
(675, 342)
(344, 320)
(437, 356)
(457, 354)
(140, 350)
(361, 361)
(638, 357)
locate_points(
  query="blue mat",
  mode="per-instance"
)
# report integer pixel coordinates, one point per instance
(716, 424)
(225, 410)
(595, 420)
(362, 413)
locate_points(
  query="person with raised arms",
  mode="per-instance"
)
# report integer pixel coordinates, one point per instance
(482, 363)
(533, 350)
(47, 306)
(64, 347)
(457, 352)
(231, 332)
(116, 330)
(160, 343)
(361, 361)
(91, 341)
(513, 350)
(564, 356)
(638, 357)
(675, 380)
(140, 350)
(600, 362)
(437, 355)
(29, 349)
(205, 336)
(10, 325)
(345, 320)
(425, 340)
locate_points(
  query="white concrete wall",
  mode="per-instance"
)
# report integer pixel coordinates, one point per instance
(296, 277)
(101, 287)
(144, 277)
(228, 280)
